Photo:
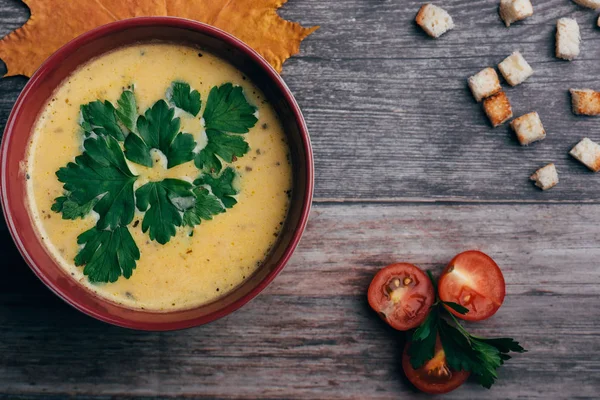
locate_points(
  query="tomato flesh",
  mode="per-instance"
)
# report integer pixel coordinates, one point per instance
(402, 295)
(473, 280)
(435, 376)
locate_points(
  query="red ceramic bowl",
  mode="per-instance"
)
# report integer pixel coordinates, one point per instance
(36, 94)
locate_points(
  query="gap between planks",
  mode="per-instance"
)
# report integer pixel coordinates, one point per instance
(324, 201)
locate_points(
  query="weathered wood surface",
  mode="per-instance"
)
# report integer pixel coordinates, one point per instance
(311, 333)
(391, 115)
(407, 169)
(390, 112)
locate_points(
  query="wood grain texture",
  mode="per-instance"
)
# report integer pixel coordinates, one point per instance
(391, 115)
(408, 169)
(311, 333)
(393, 108)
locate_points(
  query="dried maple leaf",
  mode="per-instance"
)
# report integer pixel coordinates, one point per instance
(54, 22)
(253, 21)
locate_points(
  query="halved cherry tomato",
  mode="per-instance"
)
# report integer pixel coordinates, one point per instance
(402, 295)
(473, 280)
(435, 376)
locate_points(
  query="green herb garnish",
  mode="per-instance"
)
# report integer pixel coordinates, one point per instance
(158, 129)
(100, 179)
(127, 110)
(70, 209)
(221, 186)
(100, 118)
(227, 110)
(181, 97)
(107, 254)
(227, 147)
(463, 351)
(423, 339)
(206, 205)
(163, 215)
(100, 172)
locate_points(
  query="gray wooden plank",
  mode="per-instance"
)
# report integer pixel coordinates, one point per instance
(390, 113)
(311, 333)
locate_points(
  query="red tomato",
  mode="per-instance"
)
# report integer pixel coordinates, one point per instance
(402, 295)
(473, 280)
(435, 376)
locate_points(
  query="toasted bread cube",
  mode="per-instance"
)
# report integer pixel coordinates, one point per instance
(588, 153)
(434, 20)
(546, 177)
(567, 39)
(515, 10)
(595, 4)
(498, 109)
(528, 128)
(515, 69)
(484, 84)
(585, 101)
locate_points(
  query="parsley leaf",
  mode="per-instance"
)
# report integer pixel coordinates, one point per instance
(463, 351)
(228, 110)
(71, 209)
(206, 205)
(504, 345)
(228, 147)
(157, 126)
(180, 96)
(422, 348)
(100, 118)
(461, 356)
(127, 110)
(158, 129)
(470, 353)
(162, 203)
(137, 151)
(181, 150)
(221, 186)
(107, 254)
(100, 172)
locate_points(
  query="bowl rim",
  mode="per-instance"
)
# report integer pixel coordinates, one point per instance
(72, 46)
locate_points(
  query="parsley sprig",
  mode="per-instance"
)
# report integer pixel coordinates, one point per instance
(163, 211)
(481, 356)
(181, 96)
(158, 129)
(100, 179)
(227, 114)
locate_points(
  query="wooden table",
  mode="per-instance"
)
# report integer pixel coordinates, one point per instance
(408, 169)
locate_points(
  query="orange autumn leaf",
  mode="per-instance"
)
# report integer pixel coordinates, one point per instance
(54, 22)
(255, 22)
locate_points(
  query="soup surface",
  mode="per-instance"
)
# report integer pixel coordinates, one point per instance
(197, 264)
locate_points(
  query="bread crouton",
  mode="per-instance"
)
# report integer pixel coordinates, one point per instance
(595, 4)
(528, 128)
(588, 153)
(434, 20)
(498, 109)
(515, 10)
(568, 39)
(546, 177)
(585, 101)
(484, 84)
(515, 69)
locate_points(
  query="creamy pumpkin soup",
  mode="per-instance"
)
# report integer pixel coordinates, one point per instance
(158, 176)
